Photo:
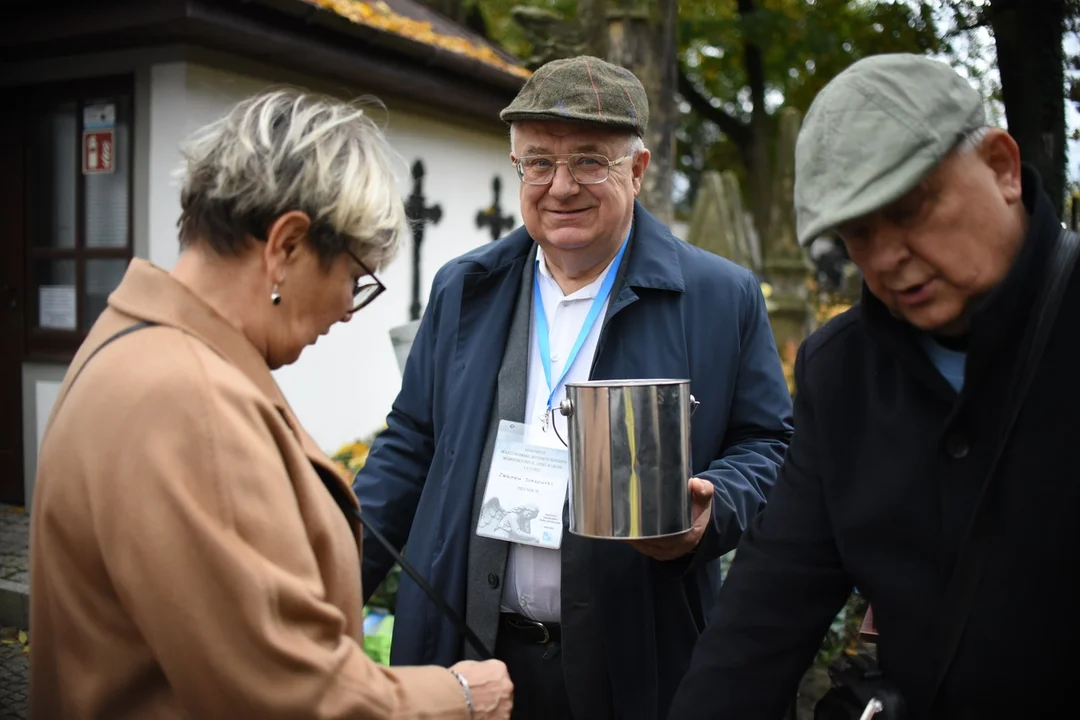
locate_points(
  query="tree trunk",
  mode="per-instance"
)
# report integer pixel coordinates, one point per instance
(643, 40)
(1028, 36)
(756, 151)
(593, 16)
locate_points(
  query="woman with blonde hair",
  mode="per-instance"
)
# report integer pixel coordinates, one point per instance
(187, 558)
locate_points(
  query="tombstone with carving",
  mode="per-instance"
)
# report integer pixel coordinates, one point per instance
(718, 223)
(786, 266)
(420, 214)
(491, 217)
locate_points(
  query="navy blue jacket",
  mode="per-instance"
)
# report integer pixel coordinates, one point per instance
(680, 312)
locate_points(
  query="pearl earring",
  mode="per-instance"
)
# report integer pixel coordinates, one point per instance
(275, 296)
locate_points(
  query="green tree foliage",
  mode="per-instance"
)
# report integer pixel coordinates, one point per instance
(801, 45)
(740, 60)
(499, 20)
(804, 43)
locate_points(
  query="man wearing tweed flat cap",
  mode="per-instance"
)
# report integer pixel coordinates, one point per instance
(932, 467)
(592, 287)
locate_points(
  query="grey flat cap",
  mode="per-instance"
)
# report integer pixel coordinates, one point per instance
(873, 132)
(584, 89)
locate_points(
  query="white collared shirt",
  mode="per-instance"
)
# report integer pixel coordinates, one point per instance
(534, 575)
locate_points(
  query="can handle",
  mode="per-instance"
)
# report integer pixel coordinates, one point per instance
(566, 409)
(693, 405)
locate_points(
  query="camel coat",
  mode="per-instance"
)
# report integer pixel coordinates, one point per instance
(186, 559)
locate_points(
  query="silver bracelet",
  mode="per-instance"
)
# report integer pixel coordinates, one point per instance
(465, 689)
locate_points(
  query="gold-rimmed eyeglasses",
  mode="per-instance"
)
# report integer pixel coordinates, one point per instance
(585, 168)
(367, 288)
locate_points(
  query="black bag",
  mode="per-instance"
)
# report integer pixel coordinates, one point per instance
(858, 687)
(859, 690)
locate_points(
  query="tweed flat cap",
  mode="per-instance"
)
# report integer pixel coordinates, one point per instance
(873, 133)
(583, 88)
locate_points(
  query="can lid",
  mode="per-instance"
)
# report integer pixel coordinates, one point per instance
(633, 382)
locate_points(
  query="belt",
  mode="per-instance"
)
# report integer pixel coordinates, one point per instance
(527, 630)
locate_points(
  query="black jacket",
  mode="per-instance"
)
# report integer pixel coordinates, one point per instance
(876, 491)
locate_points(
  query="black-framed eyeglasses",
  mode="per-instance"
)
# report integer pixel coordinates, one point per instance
(367, 288)
(585, 168)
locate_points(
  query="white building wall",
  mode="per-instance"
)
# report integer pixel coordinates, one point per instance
(342, 388)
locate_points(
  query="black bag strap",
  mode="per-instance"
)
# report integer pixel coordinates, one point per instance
(969, 563)
(350, 510)
(109, 341)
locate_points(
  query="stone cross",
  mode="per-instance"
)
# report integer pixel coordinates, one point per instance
(419, 215)
(719, 222)
(781, 241)
(492, 217)
(786, 266)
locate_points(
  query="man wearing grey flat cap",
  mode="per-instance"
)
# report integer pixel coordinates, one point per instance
(592, 287)
(932, 466)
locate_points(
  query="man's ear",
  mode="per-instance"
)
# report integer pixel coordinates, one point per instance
(284, 238)
(641, 162)
(1002, 155)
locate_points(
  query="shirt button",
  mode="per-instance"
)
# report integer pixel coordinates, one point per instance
(493, 580)
(554, 357)
(957, 447)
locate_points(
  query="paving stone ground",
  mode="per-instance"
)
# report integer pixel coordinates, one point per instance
(14, 663)
(14, 677)
(14, 544)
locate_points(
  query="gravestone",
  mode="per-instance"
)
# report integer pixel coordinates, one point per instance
(718, 223)
(786, 265)
(401, 337)
(420, 214)
(492, 217)
(740, 223)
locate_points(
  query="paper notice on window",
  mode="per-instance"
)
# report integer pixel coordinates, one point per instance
(100, 116)
(57, 307)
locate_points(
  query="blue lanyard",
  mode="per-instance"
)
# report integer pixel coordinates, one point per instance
(590, 320)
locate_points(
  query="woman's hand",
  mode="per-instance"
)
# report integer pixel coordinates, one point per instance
(490, 687)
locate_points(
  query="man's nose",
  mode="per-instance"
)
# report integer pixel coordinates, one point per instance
(563, 185)
(888, 248)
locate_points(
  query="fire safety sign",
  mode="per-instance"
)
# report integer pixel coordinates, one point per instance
(98, 151)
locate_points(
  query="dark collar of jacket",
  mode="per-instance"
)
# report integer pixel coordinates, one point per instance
(999, 318)
(652, 259)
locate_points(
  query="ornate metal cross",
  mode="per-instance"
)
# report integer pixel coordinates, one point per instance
(492, 217)
(419, 216)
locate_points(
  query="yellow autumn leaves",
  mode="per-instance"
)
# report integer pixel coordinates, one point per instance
(377, 14)
(352, 456)
(13, 637)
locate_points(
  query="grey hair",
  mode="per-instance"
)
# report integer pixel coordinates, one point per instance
(972, 139)
(285, 150)
(634, 141)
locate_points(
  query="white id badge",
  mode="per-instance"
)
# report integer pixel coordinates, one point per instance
(526, 488)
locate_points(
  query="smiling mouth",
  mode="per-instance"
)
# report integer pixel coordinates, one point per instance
(569, 212)
(915, 294)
